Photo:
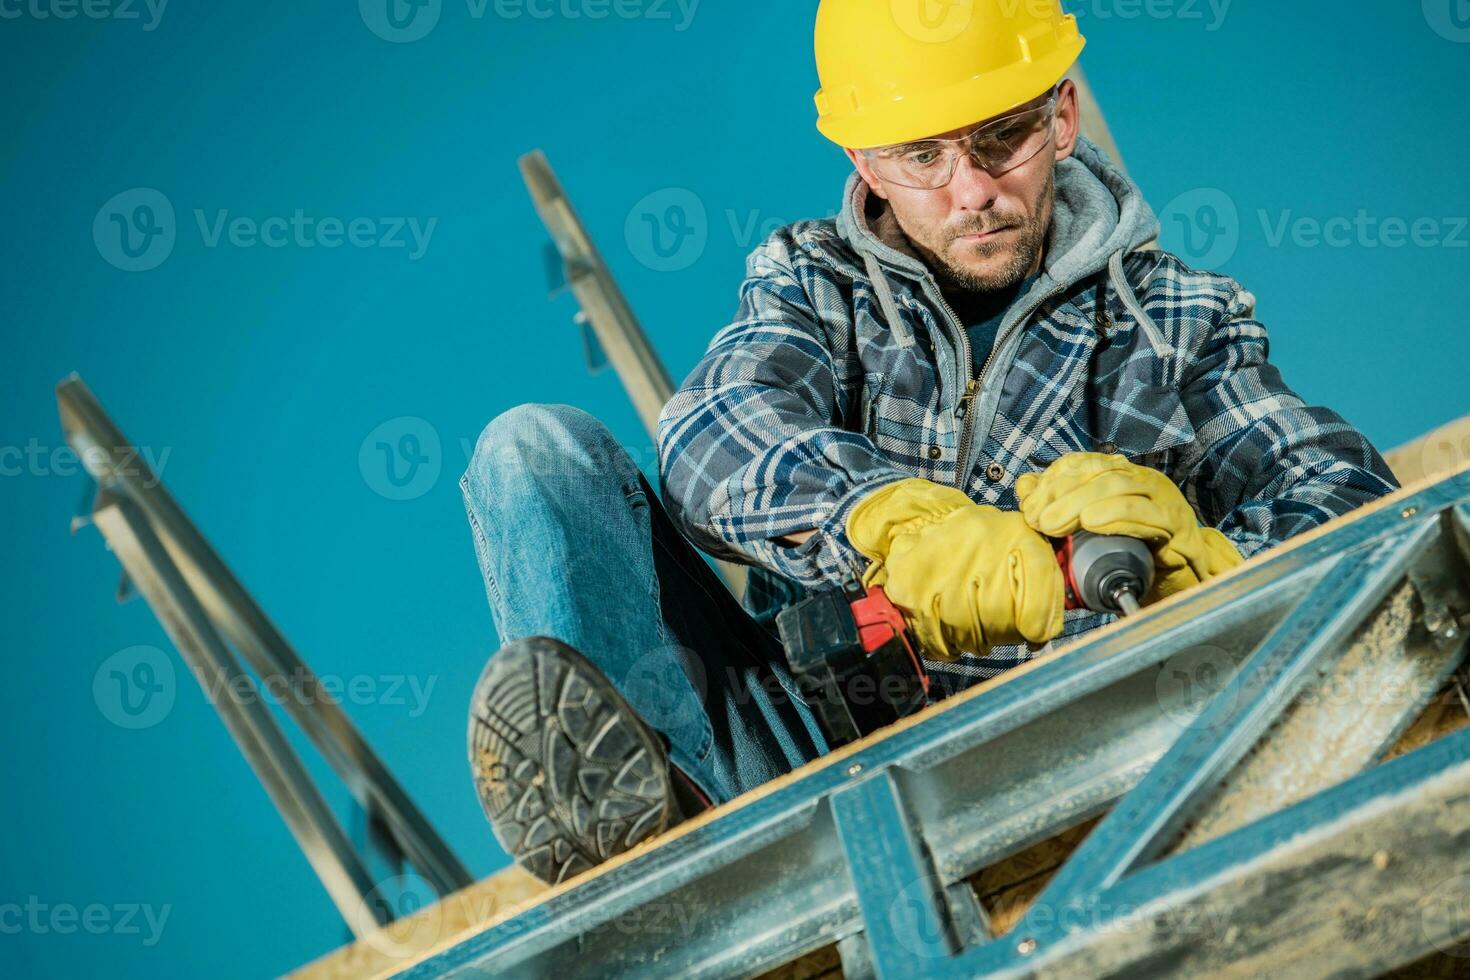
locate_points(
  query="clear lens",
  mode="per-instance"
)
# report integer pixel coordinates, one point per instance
(997, 148)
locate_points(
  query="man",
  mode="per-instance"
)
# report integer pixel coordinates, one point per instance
(978, 354)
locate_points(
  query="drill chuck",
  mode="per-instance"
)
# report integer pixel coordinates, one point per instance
(1108, 573)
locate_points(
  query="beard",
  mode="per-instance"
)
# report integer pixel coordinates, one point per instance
(1020, 254)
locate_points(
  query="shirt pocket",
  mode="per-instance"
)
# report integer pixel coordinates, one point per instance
(1146, 422)
(901, 418)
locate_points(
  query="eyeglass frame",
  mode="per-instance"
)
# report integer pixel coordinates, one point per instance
(1050, 105)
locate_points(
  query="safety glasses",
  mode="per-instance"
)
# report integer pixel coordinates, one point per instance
(998, 147)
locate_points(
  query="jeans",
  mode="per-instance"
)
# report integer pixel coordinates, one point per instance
(574, 544)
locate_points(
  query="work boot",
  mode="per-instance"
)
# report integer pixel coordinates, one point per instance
(567, 772)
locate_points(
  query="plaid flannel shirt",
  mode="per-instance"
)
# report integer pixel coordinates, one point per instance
(843, 370)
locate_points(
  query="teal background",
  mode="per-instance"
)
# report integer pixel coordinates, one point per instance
(262, 371)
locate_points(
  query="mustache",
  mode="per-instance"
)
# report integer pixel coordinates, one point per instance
(984, 228)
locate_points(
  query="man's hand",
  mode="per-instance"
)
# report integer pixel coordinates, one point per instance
(1106, 494)
(966, 576)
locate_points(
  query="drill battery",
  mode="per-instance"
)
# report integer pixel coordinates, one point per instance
(854, 660)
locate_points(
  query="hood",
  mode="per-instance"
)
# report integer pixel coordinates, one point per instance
(1099, 216)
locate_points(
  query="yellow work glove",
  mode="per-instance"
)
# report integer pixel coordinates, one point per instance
(966, 576)
(1106, 494)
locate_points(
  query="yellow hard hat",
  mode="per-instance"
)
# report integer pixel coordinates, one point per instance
(892, 71)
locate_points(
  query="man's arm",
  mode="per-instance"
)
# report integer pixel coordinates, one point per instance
(1271, 466)
(750, 447)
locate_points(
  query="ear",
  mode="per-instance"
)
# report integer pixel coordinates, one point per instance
(1069, 119)
(871, 179)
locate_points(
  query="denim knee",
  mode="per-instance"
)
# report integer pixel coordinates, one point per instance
(546, 445)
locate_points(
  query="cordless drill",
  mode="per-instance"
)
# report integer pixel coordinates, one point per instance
(1105, 573)
(855, 658)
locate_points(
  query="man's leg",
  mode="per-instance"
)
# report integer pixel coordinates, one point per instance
(575, 546)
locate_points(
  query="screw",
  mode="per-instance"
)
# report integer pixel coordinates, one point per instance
(1026, 946)
(1409, 512)
(855, 768)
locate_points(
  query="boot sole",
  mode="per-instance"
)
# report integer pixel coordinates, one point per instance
(567, 772)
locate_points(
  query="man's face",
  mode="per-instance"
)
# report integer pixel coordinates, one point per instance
(980, 232)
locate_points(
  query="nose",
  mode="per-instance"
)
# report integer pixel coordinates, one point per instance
(972, 188)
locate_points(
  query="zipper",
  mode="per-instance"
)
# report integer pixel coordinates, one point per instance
(967, 400)
(973, 384)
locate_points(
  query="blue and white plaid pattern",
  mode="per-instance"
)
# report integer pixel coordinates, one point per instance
(808, 401)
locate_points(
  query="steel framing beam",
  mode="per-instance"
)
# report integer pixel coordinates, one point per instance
(206, 611)
(870, 847)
